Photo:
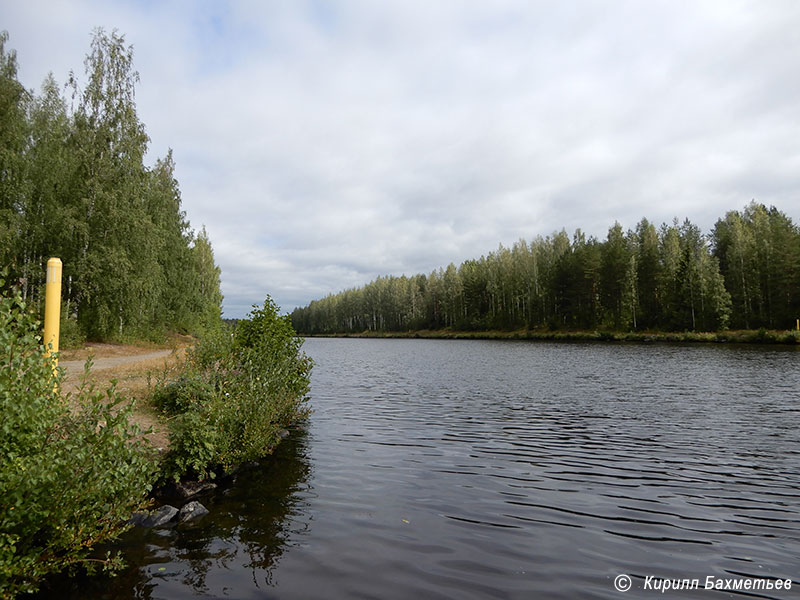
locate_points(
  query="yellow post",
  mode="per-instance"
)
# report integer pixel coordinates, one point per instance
(52, 308)
(798, 324)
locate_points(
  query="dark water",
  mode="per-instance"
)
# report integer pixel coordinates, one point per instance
(477, 469)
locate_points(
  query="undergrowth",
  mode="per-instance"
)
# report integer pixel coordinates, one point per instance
(72, 467)
(237, 389)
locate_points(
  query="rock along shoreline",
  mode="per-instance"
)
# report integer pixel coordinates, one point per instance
(183, 493)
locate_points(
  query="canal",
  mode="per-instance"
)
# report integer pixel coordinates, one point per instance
(483, 469)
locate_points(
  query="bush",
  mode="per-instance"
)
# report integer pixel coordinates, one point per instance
(69, 477)
(177, 397)
(70, 335)
(194, 446)
(253, 383)
(791, 337)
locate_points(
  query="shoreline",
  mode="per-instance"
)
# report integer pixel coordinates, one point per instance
(747, 336)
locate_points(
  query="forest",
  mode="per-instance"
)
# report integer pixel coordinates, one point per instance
(743, 275)
(73, 184)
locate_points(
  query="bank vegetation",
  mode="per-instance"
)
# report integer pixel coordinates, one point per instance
(74, 466)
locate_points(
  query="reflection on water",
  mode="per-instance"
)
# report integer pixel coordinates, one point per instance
(476, 469)
(245, 534)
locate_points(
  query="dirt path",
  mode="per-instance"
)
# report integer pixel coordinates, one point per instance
(134, 368)
(75, 367)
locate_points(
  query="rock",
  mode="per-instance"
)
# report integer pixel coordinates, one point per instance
(137, 519)
(187, 489)
(191, 510)
(283, 434)
(156, 518)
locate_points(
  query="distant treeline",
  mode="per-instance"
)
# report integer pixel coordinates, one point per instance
(73, 185)
(745, 274)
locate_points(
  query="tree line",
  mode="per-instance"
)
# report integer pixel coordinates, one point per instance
(742, 275)
(73, 184)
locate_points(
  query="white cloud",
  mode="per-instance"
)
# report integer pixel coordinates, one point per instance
(323, 144)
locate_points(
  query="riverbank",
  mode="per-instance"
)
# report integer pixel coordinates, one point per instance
(76, 462)
(744, 336)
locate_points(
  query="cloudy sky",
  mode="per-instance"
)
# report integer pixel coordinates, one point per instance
(325, 143)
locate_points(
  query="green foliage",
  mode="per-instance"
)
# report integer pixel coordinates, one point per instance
(238, 390)
(194, 445)
(71, 468)
(179, 396)
(14, 103)
(759, 254)
(73, 184)
(70, 333)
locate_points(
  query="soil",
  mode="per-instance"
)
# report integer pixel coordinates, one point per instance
(135, 370)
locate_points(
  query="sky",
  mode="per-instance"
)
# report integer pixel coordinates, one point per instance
(323, 144)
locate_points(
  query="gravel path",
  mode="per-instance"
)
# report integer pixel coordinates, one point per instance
(75, 367)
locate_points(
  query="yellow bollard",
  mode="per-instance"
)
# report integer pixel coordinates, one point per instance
(798, 324)
(52, 308)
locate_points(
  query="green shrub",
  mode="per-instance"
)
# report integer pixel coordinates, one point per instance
(212, 345)
(179, 396)
(70, 334)
(791, 337)
(194, 446)
(71, 468)
(254, 382)
(605, 336)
